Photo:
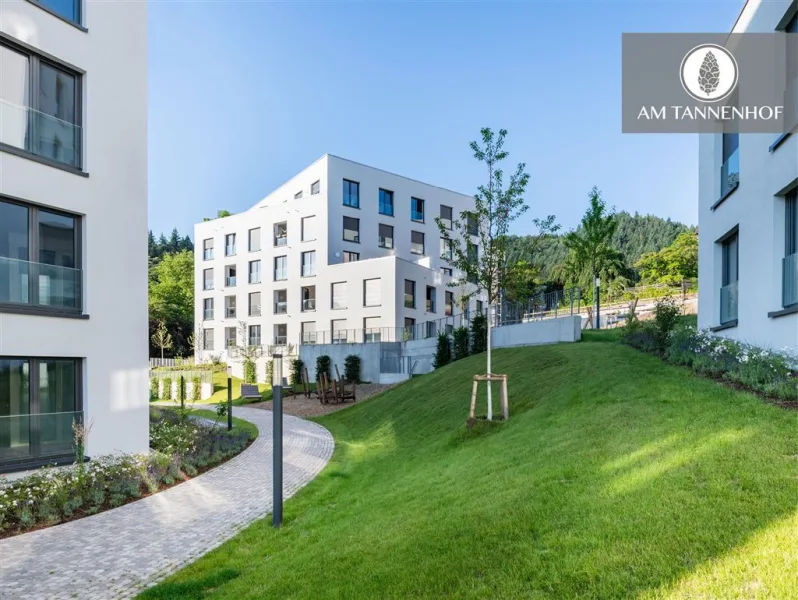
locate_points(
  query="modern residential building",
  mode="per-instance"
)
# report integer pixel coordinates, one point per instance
(73, 223)
(340, 253)
(748, 216)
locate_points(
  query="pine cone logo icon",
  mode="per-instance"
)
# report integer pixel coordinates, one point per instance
(709, 73)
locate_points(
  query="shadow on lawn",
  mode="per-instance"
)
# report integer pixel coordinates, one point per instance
(192, 590)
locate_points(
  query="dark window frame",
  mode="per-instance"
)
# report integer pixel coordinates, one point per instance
(317, 186)
(392, 238)
(413, 210)
(79, 10)
(413, 242)
(386, 199)
(249, 304)
(349, 254)
(347, 193)
(357, 222)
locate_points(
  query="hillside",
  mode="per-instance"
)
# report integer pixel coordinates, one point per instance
(617, 476)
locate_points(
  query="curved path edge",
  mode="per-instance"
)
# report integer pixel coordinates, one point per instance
(119, 552)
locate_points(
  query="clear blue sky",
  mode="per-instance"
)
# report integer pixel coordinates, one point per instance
(243, 95)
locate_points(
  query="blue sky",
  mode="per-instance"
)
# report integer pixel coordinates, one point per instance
(243, 95)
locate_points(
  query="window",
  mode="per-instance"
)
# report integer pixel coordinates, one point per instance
(254, 304)
(351, 229)
(254, 335)
(207, 309)
(308, 298)
(39, 257)
(446, 271)
(385, 236)
(386, 202)
(480, 307)
(432, 329)
(309, 332)
(351, 256)
(230, 307)
(280, 334)
(729, 277)
(254, 271)
(446, 249)
(308, 229)
(790, 261)
(338, 327)
(430, 299)
(229, 337)
(207, 279)
(30, 387)
(207, 339)
(280, 234)
(448, 308)
(416, 242)
(309, 263)
(730, 169)
(371, 329)
(298, 195)
(446, 216)
(207, 249)
(410, 329)
(372, 292)
(315, 188)
(339, 295)
(473, 259)
(41, 107)
(230, 244)
(254, 239)
(280, 268)
(280, 302)
(410, 294)
(68, 9)
(351, 193)
(472, 225)
(230, 276)
(417, 209)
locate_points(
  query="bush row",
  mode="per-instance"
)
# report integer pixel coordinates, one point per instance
(463, 342)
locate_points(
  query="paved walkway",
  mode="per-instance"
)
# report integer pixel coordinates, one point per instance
(117, 553)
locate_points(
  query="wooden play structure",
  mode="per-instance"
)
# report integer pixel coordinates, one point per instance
(504, 402)
(329, 390)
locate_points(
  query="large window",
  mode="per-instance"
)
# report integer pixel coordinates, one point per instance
(351, 229)
(351, 256)
(339, 295)
(254, 239)
(309, 263)
(338, 328)
(254, 304)
(386, 202)
(207, 249)
(431, 297)
(207, 339)
(280, 234)
(207, 279)
(446, 216)
(472, 225)
(446, 249)
(729, 278)
(351, 193)
(315, 188)
(39, 400)
(410, 293)
(417, 209)
(254, 335)
(308, 298)
(309, 332)
(230, 307)
(230, 244)
(308, 228)
(230, 277)
(790, 261)
(385, 239)
(280, 334)
(254, 271)
(230, 337)
(448, 306)
(39, 106)
(207, 309)
(280, 268)
(371, 329)
(39, 258)
(372, 292)
(280, 302)
(416, 242)
(730, 169)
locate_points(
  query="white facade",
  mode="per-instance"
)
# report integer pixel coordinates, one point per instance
(748, 264)
(369, 291)
(73, 223)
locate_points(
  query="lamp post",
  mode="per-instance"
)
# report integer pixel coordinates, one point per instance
(598, 303)
(229, 398)
(277, 437)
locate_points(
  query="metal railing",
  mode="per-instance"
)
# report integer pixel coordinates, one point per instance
(38, 284)
(728, 303)
(229, 281)
(789, 280)
(40, 133)
(548, 305)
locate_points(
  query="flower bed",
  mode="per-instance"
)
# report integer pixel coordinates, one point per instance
(181, 448)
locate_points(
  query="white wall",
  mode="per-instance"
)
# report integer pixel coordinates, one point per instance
(547, 331)
(113, 199)
(369, 358)
(757, 208)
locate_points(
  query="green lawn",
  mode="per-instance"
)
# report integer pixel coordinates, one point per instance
(617, 476)
(220, 391)
(251, 428)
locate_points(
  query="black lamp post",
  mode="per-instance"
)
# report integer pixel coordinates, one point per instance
(277, 436)
(229, 399)
(598, 303)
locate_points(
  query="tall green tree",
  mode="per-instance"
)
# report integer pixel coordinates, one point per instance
(672, 264)
(171, 298)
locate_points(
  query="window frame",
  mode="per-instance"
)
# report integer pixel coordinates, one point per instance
(347, 194)
(412, 295)
(274, 268)
(249, 240)
(349, 254)
(357, 222)
(206, 337)
(413, 243)
(258, 271)
(79, 10)
(206, 309)
(379, 237)
(365, 291)
(308, 253)
(413, 211)
(205, 287)
(205, 249)
(275, 302)
(259, 305)
(317, 185)
(450, 219)
(302, 228)
(381, 203)
(345, 295)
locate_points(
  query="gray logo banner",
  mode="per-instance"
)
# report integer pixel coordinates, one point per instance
(710, 83)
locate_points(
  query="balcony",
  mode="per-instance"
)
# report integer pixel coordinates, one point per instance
(730, 174)
(308, 304)
(40, 134)
(281, 307)
(230, 281)
(40, 285)
(728, 303)
(789, 280)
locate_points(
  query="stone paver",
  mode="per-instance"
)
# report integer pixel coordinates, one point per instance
(117, 553)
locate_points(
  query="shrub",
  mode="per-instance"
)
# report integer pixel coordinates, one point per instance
(479, 334)
(443, 351)
(269, 372)
(460, 343)
(297, 365)
(196, 389)
(322, 365)
(249, 371)
(166, 393)
(154, 388)
(666, 315)
(352, 367)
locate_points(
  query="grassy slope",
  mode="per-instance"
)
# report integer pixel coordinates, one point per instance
(220, 390)
(617, 476)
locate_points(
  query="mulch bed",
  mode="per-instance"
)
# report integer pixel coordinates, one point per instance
(299, 406)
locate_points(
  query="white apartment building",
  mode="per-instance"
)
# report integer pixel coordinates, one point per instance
(73, 223)
(342, 252)
(748, 217)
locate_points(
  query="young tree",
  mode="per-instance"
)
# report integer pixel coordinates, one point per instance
(479, 265)
(162, 338)
(672, 264)
(247, 353)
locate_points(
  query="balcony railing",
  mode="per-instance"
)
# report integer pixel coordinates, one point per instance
(280, 274)
(38, 284)
(40, 133)
(728, 303)
(207, 285)
(230, 312)
(730, 173)
(280, 308)
(230, 281)
(280, 340)
(208, 316)
(309, 304)
(207, 254)
(254, 342)
(281, 240)
(31, 435)
(410, 301)
(230, 250)
(350, 235)
(308, 270)
(789, 281)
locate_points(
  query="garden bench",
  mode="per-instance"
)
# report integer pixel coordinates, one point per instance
(250, 391)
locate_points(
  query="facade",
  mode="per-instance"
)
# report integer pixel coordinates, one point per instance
(73, 223)
(340, 253)
(748, 218)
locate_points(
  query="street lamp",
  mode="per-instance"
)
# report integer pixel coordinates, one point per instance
(277, 438)
(598, 303)
(229, 398)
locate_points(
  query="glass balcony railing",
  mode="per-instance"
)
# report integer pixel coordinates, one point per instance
(280, 274)
(281, 240)
(309, 304)
(308, 270)
(280, 308)
(38, 284)
(40, 134)
(207, 254)
(230, 281)
(230, 250)
(728, 303)
(280, 340)
(34, 435)
(208, 316)
(730, 173)
(417, 215)
(789, 281)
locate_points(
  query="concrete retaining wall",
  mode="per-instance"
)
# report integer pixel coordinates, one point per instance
(547, 331)
(369, 358)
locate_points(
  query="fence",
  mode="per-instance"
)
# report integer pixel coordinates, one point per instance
(548, 305)
(166, 362)
(205, 376)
